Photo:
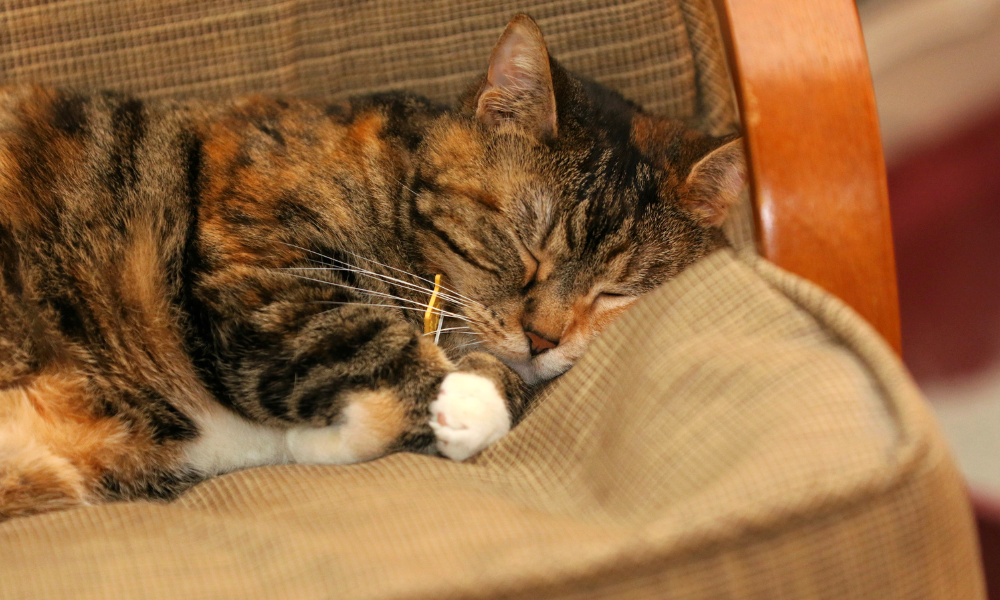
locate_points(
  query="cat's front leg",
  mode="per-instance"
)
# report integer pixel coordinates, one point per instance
(476, 406)
(339, 385)
(388, 414)
(355, 383)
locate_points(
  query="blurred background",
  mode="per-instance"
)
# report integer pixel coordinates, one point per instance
(936, 68)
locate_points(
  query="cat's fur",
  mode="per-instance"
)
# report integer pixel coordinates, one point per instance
(176, 276)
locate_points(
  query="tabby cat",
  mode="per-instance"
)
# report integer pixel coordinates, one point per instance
(188, 288)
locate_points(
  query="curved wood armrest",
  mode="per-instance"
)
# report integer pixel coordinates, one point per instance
(817, 171)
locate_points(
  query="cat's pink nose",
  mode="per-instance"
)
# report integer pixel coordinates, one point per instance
(538, 343)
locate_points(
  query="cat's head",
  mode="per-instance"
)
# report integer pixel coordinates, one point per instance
(553, 203)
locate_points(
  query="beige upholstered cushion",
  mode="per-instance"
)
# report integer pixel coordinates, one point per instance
(738, 434)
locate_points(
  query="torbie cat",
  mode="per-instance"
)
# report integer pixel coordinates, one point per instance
(189, 288)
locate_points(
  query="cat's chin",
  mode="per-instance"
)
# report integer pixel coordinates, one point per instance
(540, 368)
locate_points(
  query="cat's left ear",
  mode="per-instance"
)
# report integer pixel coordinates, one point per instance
(715, 183)
(518, 86)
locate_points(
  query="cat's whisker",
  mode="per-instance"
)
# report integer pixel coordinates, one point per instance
(380, 277)
(386, 306)
(362, 270)
(405, 187)
(356, 289)
(382, 295)
(454, 329)
(452, 316)
(443, 291)
(466, 344)
(444, 287)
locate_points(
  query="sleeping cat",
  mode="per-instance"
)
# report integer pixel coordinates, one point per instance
(189, 288)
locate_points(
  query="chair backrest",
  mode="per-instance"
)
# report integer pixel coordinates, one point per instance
(663, 54)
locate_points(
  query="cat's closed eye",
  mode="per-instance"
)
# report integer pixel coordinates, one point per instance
(611, 300)
(530, 266)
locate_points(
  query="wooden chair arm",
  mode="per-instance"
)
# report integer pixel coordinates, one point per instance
(817, 171)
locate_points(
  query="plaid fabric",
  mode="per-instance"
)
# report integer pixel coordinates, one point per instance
(337, 49)
(739, 434)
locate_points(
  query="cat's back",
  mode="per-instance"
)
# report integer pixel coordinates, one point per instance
(96, 196)
(74, 164)
(109, 203)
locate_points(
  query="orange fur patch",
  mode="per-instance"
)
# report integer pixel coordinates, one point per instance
(33, 111)
(376, 419)
(59, 451)
(144, 290)
(366, 131)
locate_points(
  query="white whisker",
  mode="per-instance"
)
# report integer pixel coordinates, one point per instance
(453, 316)
(455, 329)
(379, 277)
(444, 287)
(403, 184)
(466, 344)
(382, 295)
(361, 270)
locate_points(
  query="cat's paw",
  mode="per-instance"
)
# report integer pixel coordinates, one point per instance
(468, 415)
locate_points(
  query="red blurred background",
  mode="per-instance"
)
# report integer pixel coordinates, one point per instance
(936, 68)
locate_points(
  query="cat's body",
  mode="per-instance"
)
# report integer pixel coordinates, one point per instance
(188, 288)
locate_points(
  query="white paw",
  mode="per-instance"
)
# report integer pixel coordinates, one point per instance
(468, 415)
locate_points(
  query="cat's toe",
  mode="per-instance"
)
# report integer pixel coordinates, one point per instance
(468, 415)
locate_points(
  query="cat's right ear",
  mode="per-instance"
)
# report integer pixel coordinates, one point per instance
(518, 87)
(715, 183)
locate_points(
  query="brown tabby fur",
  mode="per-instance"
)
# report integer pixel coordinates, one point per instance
(142, 248)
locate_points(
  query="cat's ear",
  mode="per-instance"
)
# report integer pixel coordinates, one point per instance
(518, 86)
(715, 182)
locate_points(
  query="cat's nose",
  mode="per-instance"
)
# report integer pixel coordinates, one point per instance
(539, 343)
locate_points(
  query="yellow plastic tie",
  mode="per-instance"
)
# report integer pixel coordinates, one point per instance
(432, 316)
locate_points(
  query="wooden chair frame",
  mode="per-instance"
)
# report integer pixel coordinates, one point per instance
(817, 171)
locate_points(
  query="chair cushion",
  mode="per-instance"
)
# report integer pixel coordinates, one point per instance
(738, 434)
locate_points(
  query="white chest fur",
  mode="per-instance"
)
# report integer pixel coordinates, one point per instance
(228, 442)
